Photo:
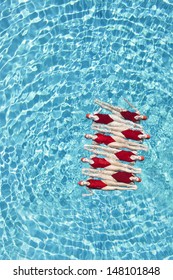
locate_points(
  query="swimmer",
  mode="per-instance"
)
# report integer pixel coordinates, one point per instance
(123, 155)
(112, 120)
(109, 164)
(114, 154)
(105, 185)
(120, 132)
(115, 142)
(122, 113)
(120, 176)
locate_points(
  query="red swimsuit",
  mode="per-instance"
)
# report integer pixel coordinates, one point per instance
(96, 184)
(104, 118)
(123, 177)
(132, 134)
(99, 162)
(125, 155)
(103, 139)
(129, 115)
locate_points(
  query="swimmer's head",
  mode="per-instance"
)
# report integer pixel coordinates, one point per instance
(135, 157)
(137, 179)
(147, 136)
(140, 157)
(144, 118)
(84, 159)
(88, 136)
(81, 183)
(88, 116)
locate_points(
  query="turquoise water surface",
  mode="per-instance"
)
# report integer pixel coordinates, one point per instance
(56, 58)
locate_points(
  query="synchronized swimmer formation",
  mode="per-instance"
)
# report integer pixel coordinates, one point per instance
(114, 131)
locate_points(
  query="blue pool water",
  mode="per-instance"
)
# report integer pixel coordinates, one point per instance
(56, 57)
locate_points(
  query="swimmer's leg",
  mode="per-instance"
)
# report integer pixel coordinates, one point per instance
(113, 168)
(119, 145)
(91, 172)
(111, 188)
(126, 124)
(110, 128)
(99, 147)
(95, 152)
(127, 167)
(108, 106)
(133, 169)
(137, 147)
(140, 147)
(100, 128)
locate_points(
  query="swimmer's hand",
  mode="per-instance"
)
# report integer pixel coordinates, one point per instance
(87, 194)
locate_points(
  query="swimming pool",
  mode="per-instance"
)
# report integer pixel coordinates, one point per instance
(55, 59)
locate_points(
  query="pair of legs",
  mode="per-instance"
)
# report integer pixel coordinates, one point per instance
(122, 143)
(112, 187)
(116, 126)
(94, 148)
(109, 107)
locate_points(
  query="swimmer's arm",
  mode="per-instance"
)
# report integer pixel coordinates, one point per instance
(99, 110)
(136, 110)
(93, 155)
(95, 143)
(95, 118)
(88, 194)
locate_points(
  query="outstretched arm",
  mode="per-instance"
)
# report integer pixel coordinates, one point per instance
(108, 106)
(109, 128)
(136, 110)
(98, 111)
(88, 194)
